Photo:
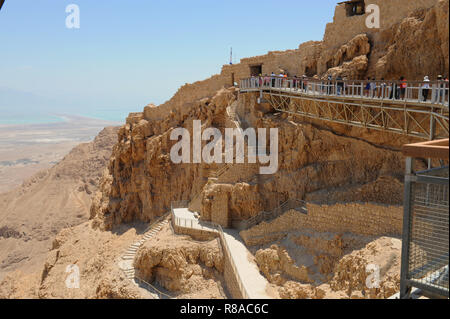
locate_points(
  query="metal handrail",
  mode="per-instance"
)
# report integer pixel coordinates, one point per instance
(179, 204)
(376, 89)
(158, 292)
(158, 220)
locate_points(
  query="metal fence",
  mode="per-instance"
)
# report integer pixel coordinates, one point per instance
(434, 92)
(152, 289)
(425, 256)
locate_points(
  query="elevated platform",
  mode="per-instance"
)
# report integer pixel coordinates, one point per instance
(349, 103)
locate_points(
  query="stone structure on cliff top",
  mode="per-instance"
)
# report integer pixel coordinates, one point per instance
(315, 158)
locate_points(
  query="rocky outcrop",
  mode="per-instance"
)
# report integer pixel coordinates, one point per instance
(351, 272)
(182, 266)
(323, 265)
(276, 261)
(350, 60)
(142, 181)
(415, 47)
(412, 41)
(60, 197)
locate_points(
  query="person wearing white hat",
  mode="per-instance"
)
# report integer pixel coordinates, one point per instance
(425, 88)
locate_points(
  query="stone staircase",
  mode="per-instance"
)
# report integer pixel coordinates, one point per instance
(127, 259)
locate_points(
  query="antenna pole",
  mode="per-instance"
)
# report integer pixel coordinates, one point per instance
(231, 56)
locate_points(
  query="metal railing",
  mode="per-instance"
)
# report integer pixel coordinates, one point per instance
(425, 255)
(351, 103)
(290, 204)
(152, 289)
(158, 220)
(210, 226)
(433, 92)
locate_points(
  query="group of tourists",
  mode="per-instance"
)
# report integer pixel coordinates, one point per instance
(395, 90)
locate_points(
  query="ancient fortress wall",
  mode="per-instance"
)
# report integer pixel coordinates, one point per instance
(357, 218)
(348, 45)
(142, 181)
(344, 28)
(231, 280)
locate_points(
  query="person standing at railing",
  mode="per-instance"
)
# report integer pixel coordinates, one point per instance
(273, 79)
(266, 80)
(281, 76)
(294, 82)
(373, 88)
(438, 89)
(367, 88)
(304, 83)
(345, 85)
(425, 88)
(383, 88)
(403, 86)
(340, 85)
(445, 91)
(329, 84)
(395, 91)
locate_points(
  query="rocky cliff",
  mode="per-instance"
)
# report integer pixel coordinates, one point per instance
(32, 215)
(322, 163)
(141, 181)
(412, 41)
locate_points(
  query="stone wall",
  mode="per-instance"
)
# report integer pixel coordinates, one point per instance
(196, 234)
(345, 39)
(344, 28)
(231, 280)
(357, 218)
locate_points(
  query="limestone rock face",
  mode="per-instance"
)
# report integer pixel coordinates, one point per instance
(141, 180)
(351, 272)
(354, 69)
(181, 266)
(275, 261)
(417, 46)
(358, 47)
(412, 41)
(314, 265)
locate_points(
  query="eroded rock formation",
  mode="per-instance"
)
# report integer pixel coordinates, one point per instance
(182, 266)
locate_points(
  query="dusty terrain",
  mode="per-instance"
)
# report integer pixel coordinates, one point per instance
(28, 149)
(53, 199)
(351, 177)
(183, 266)
(311, 264)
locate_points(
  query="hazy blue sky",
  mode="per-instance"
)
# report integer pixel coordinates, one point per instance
(129, 53)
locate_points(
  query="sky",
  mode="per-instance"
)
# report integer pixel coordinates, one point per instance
(127, 54)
